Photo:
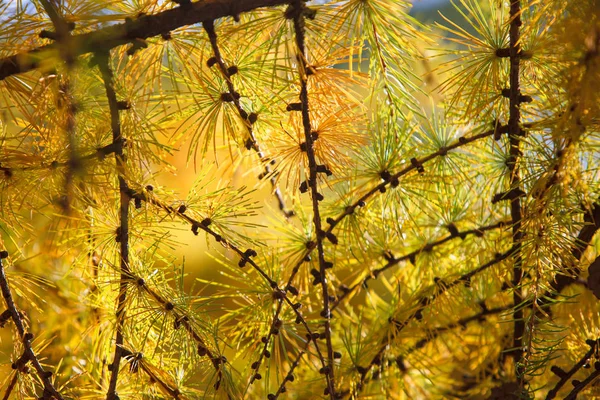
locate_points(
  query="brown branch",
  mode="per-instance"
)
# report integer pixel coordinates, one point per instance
(100, 153)
(591, 218)
(26, 337)
(182, 319)
(273, 330)
(245, 258)
(514, 136)
(392, 261)
(174, 392)
(63, 38)
(137, 362)
(416, 164)
(582, 385)
(311, 245)
(60, 25)
(11, 386)
(249, 120)
(123, 235)
(144, 27)
(565, 376)
(418, 313)
(434, 333)
(290, 375)
(296, 11)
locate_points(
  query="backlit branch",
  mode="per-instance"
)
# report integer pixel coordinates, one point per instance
(28, 355)
(417, 314)
(566, 375)
(245, 258)
(180, 319)
(436, 332)
(290, 375)
(103, 61)
(515, 133)
(137, 362)
(63, 38)
(249, 119)
(144, 27)
(392, 261)
(416, 164)
(461, 323)
(297, 13)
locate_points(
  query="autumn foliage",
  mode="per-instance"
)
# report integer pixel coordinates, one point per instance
(429, 228)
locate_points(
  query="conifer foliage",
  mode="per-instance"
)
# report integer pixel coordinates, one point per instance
(430, 229)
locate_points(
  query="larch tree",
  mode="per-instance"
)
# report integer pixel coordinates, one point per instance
(429, 229)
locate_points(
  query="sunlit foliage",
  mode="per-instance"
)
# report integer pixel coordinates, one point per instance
(429, 228)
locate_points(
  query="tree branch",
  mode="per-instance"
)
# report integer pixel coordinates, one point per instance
(514, 135)
(11, 386)
(565, 376)
(144, 27)
(182, 319)
(416, 164)
(245, 258)
(418, 313)
(137, 362)
(249, 119)
(434, 333)
(296, 10)
(26, 337)
(391, 260)
(582, 385)
(290, 375)
(123, 235)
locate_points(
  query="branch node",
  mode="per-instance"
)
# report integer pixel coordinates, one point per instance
(508, 195)
(294, 107)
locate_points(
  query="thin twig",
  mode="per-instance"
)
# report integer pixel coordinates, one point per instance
(174, 392)
(565, 376)
(591, 218)
(26, 337)
(298, 18)
(416, 164)
(185, 320)
(63, 39)
(100, 153)
(123, 236)
(418, 313)
(11, 385)
(434, 333)
(392, 261)
(289, 377)
(582, 385)
(266, 340)
(251, 142)
(311, 245)
(137, 362)
(246, 257)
